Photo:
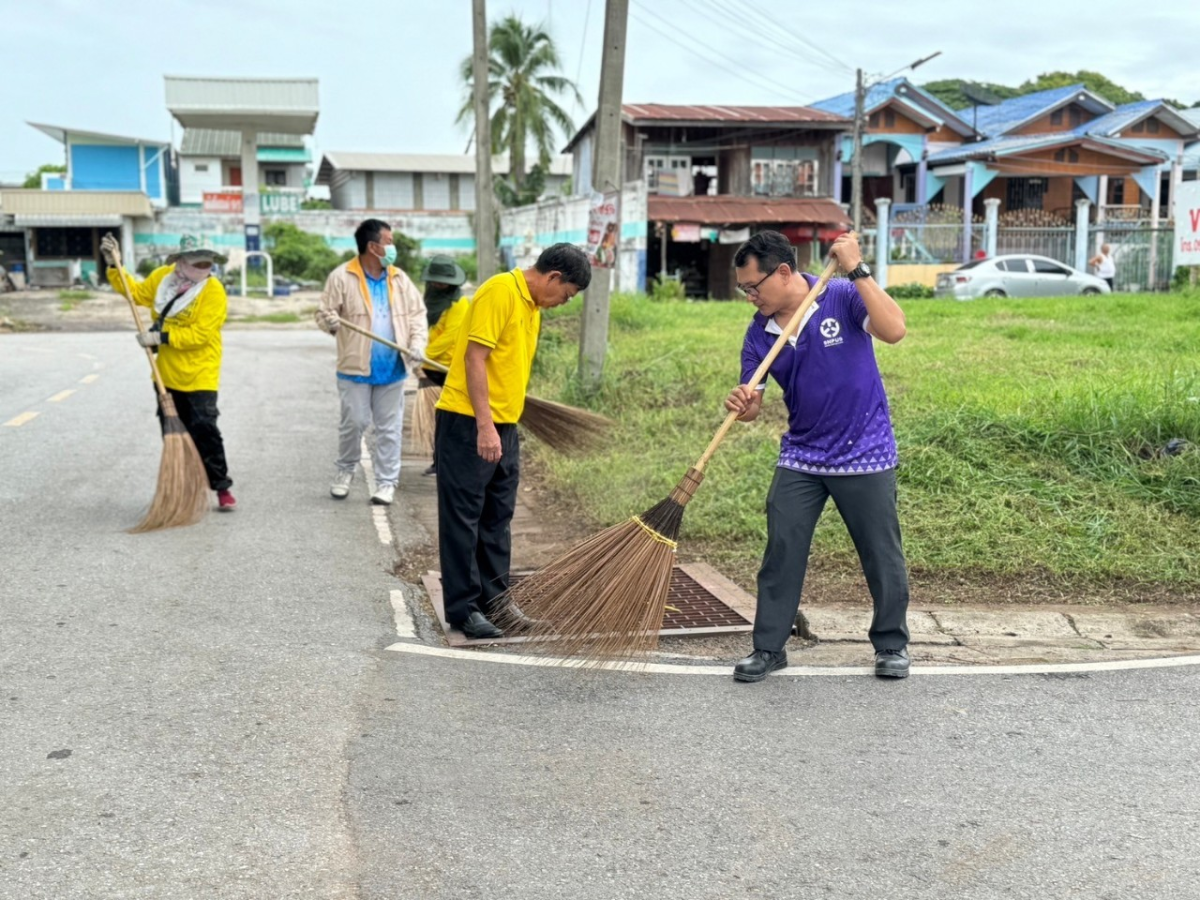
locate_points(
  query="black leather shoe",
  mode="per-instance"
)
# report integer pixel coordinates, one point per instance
(759, 664)
(478, 628)
(892, 663)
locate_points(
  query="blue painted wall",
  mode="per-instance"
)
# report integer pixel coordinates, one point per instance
(98, 167)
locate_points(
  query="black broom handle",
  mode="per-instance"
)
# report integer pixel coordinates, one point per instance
(793, 325)
(427, 363)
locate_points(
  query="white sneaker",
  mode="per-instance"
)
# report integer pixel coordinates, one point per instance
(383, 496)
(340, 488)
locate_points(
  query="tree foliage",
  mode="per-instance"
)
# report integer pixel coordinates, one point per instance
(950, 91)
(34, 179)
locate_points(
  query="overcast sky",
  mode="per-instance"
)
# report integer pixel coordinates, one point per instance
(389, 71)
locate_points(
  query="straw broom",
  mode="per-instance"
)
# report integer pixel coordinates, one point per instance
(423, 416)
(181, 495)
(563, 428)
(605, 598)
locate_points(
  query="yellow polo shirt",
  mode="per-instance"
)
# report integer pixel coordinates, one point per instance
(502, 316)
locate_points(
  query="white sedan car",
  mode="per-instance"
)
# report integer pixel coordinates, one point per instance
(1016, 275)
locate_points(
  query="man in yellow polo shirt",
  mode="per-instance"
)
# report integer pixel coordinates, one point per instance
(476, 447)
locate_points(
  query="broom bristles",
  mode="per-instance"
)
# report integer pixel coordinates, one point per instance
(566, 429)
(181, 496)
(606, 597)
(423, 417)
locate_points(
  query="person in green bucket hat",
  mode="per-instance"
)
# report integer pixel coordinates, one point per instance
(446, 310)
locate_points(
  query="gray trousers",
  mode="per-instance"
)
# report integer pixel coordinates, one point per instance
(867, 504)
(363, 406)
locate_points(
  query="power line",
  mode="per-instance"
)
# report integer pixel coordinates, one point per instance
(587, 18)
(770, 37)
(748, 77)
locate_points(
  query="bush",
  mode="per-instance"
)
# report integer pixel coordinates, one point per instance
(910, 291)
(299, 254)
(148, 265)
(1182, 280)
(665, 289)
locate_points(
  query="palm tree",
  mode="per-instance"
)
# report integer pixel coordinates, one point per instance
(522, 60)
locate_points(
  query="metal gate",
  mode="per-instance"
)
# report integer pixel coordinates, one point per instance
(1142, 253)
(1056, 242)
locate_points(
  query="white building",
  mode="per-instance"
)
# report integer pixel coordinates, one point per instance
(211, 162)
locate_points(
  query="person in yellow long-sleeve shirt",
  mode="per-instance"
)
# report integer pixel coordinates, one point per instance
(189, 309)
(446, 310)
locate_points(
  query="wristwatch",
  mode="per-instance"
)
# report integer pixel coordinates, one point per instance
(862, 270)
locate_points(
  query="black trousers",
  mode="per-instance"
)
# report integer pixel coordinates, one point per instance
(198, 412)
(867, 504)
(476, 501)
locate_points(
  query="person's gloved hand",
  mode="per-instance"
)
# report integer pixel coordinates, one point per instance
(151, 338)
(328, 321)
(110, 248)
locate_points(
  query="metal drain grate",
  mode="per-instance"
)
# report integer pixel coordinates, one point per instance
(703, 601)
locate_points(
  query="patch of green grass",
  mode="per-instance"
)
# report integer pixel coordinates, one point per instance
(71, 299)
(279, 318)
(1031, 434)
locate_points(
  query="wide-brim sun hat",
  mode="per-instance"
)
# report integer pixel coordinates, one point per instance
(190, 248)
(444, 270)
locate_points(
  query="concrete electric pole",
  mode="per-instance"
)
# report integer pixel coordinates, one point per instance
(606, 176)
(485, 216)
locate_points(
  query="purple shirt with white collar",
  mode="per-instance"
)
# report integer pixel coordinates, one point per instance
(838, 419)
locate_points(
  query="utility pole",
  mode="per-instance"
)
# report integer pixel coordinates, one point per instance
(485, 216)
(606, 176)
(856, 166)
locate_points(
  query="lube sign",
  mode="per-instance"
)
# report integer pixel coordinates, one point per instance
(1187, 224)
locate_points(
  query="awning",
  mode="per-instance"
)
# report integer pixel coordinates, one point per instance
(110, 220)
(728, 210)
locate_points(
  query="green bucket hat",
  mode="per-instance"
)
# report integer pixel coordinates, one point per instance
(190, 248)
(444, 270)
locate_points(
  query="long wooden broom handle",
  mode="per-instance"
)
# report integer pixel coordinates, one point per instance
(141, 327)
(426, 363)
(793, 325)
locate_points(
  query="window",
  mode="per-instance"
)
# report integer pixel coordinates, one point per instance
(1066, 155)
(1046, 267)
(64, 243)
(275, 177)
(1076, 116)
(1026, 193)
(1116, 191)
(1056, 117)
(1139, 128)
(1015, 264)
(1152, 126)
(873, 120)
(889, 118)
(678, 169)
(784, 177)
(201, 167)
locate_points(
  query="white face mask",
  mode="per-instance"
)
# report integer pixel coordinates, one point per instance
(193, 274)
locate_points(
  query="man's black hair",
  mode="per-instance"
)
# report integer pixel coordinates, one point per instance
(368, 232)
(568, 259)
(770, 248)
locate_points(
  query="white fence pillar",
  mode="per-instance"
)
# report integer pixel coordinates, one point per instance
(991, 219)
(883, 250)
(1081, 233)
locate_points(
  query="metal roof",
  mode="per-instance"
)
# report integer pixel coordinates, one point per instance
(75, 203)
(905, 92)
(463, 164)
(644, 113)
(1011, 114)
(724, 210)
(60, 132)
(270, 104)
(1009, 144)
(1123, 117)
(208, 142)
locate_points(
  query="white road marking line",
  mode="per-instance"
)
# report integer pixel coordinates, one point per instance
(378, 513)
(61, 396)
(21, 419)
(507, 659)
(405, 627)
(89, 379)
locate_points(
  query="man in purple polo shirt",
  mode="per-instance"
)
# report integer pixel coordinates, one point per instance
(839, 441)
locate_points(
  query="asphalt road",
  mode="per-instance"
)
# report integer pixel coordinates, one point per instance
(213, 713)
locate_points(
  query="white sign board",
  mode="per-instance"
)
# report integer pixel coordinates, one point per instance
(1187, 224)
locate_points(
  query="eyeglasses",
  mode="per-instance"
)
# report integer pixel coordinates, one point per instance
(752, 290)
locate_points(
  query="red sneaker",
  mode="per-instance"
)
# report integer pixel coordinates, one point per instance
(225, 501)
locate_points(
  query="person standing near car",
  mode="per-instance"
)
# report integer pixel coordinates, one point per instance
(1105, 266)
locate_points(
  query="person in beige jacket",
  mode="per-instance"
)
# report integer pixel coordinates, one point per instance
(371, 292)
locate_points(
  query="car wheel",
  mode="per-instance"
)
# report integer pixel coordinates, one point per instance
(1091, 292)
(995, 292)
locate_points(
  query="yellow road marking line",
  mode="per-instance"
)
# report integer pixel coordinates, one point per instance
(21, 419)
(88, 379)
(61, 395)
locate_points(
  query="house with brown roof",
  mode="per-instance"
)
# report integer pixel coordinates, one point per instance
(715, 174)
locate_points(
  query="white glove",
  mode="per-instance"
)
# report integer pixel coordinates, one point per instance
(149, 338)
(110, 248)
(329, 321)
